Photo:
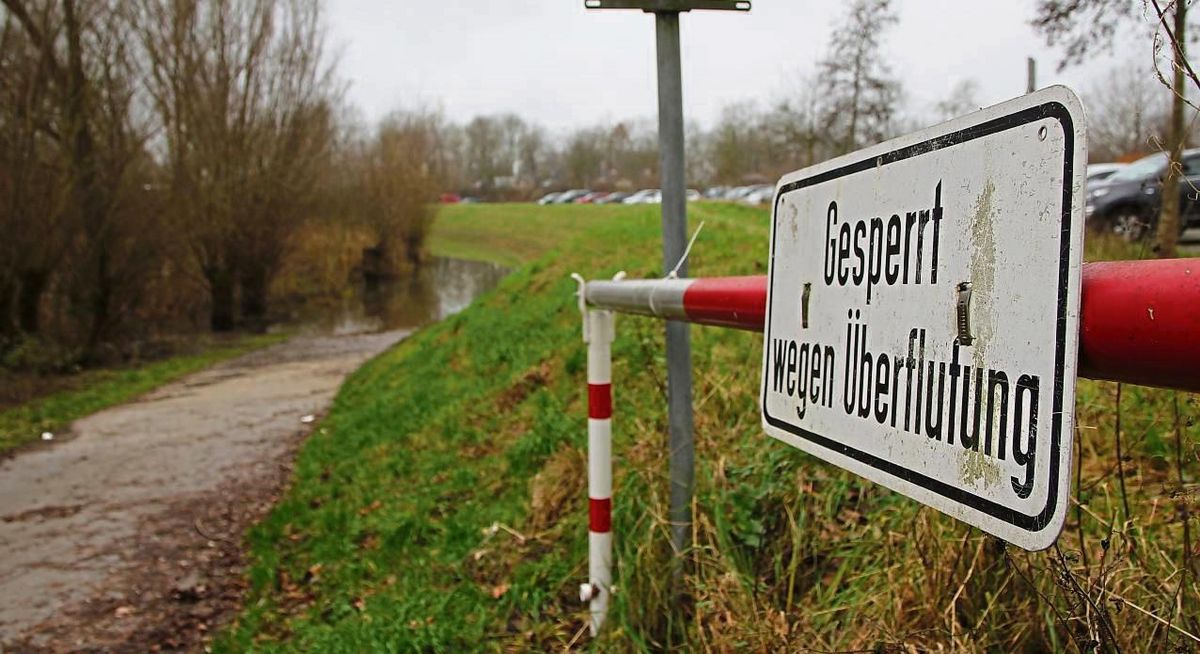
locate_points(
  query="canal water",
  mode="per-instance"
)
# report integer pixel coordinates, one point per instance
(438, 288)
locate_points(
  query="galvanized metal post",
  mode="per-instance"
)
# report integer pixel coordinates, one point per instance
(674, 226)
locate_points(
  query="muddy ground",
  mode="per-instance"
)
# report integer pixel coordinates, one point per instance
(124, 535)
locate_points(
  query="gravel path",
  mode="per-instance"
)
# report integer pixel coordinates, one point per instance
(124, 534)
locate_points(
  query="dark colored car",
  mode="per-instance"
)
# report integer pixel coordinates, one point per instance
(567, 197)
(1128, 202)
(590, 198)
(615, 197)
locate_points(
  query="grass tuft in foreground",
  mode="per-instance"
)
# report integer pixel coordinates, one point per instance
(441, 506)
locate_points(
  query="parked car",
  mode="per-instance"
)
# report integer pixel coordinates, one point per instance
(567, 197)
(757, 194)
(715, 192)
(645, 196)
(1128, 202)
(693, 195)
(449, 198)
(615, 197)
(738, 192)
(549, 198)
(589, 198)
(760, 195)
(1102, 171)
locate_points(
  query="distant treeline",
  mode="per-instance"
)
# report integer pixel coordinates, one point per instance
(159, 158)
(851, 99)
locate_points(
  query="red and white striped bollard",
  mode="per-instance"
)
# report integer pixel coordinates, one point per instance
(598, 332)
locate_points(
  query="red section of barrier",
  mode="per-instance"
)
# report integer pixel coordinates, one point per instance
(739, 302)
(1140, 323)
(600, 515)
(600, 401)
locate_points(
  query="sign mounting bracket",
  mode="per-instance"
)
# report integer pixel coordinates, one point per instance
(670, 6)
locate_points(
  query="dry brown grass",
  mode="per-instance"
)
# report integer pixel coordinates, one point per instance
(322, 259)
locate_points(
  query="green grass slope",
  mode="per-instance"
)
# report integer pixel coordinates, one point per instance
(441, 507)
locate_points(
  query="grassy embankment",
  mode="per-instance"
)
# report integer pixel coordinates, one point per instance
(92, 390)
(441, 505)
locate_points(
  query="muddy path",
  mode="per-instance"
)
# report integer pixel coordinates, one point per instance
(125, 534)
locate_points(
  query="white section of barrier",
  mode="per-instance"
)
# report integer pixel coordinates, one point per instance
(600, 572)
(651, 297)
(599, 337)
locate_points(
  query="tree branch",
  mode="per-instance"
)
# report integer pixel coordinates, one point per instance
(1187, 66)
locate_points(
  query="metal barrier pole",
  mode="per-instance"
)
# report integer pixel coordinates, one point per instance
(1139, 320)
(599, 336)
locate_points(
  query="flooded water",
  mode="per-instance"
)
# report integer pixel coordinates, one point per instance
(439, 288)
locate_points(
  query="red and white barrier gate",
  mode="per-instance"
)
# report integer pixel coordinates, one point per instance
(1139, 324)
(598, 333)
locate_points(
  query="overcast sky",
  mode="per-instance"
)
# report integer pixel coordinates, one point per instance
(556, 63)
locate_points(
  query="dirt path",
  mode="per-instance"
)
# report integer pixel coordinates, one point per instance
(124, 534)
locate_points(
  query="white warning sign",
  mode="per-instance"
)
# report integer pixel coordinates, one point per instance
(923, 313)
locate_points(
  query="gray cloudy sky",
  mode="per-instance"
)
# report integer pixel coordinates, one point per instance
(563, 66)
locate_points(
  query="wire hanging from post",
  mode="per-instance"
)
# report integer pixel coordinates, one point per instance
(674, 274)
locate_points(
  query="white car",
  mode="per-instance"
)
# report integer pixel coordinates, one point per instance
(645, 196)
(760, 195)
(738, 192)
(1102, 171)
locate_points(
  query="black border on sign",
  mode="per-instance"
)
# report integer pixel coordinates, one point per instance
(1032, 523)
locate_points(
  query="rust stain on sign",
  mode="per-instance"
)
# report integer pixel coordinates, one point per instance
(983, 272)
(979, 467)
(976, 467)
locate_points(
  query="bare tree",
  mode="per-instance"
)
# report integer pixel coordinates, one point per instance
(387, 183)
(1127, 114)
(860, 96)
(532, 155)
(793, 134)
(484, 153)
(636, 160)
(1081, 27)
(78, 165)
(1169, 220)
(33, 180)
(963, 99)
(243, 94)
(733, 143)
(583, 157)
(752, 144)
